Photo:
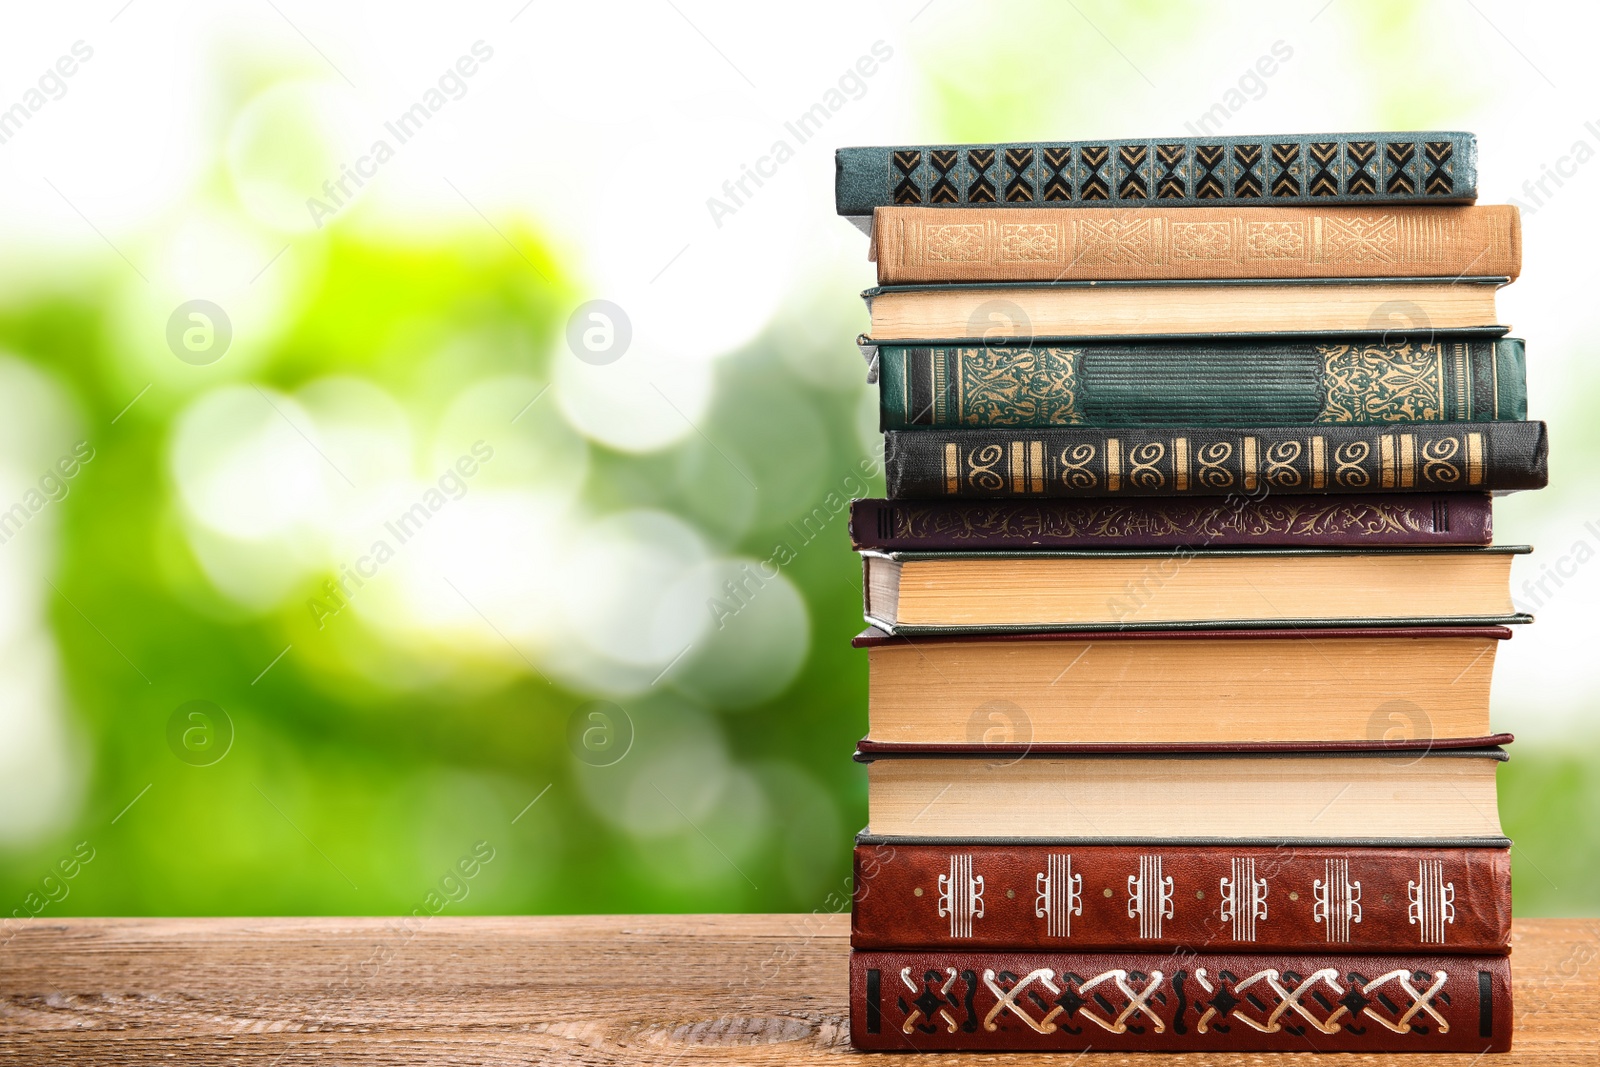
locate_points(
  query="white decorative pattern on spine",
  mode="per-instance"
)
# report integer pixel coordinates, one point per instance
(1338, 900)
(1059, 894)
(960, 896)
(1149, 897)
(1433, 901)
(1138, 1001)
(1290, 1000)
(1421, 1000)
(943, 1013)
(1262, 1001)
(1005, 1000)
(1244, 899)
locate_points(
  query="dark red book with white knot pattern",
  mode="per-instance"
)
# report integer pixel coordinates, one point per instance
(1179, 1001)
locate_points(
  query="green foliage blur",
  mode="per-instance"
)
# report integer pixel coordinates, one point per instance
(337, 796)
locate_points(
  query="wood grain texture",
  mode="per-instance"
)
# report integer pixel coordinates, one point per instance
(584, 990)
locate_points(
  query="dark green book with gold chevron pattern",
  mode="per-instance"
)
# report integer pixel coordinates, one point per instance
(1262, 381)
(1435, 167)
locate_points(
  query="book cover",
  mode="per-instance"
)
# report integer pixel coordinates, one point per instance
(1047, 312)
(1333, 521)
(1432, 167)
(1400, 688)
(923, 244)
(1181, 1001)
(1207, 461)
(1232, 382)
(1405, 748)
(1060, 591)
(943, 792)
(1165, 896)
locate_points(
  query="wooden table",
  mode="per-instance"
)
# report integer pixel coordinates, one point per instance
(659, 989)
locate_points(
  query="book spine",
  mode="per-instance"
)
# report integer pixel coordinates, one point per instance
(1319, 169)
(1510, 378)
(1092, 898)
(930, 245)
(1179, 1002)
(1024, 313)
(1480, 456)
(1276, 383)
(1330, 521)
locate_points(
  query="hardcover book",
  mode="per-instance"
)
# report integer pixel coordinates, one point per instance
(1303, 796)
(1056, 589)
(1434, 167)
(1037, 311)
(1211, 461)
(1333, 521)
(1232, 382)
(1162, 896)
(1179, 1002)
(1000, 693)
(920, 244)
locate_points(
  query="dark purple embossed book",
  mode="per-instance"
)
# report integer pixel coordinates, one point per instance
(1151, 522)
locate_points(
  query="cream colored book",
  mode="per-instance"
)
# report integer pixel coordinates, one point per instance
(1056, 590)
(1363, 685)
(1116, 309)
(1396, 796)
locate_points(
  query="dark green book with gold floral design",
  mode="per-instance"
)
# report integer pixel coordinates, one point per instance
(1261, 381)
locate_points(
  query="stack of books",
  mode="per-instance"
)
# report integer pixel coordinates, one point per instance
(1183, 604)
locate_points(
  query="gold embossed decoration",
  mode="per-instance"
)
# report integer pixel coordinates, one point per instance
(1119, 241)
(1439, 461)
(1022, 462)
(1202, 240)
(1184, 172)
(1199, 523)
(1213, 474)
(957, 243)
(1275, 240)
(1373, 382)
(1005, 386)
(1348, 460)
(981, 463)
(1366, 240)
(1142, 470)
(1023, 242)
(1281, 470)
(1075, 472)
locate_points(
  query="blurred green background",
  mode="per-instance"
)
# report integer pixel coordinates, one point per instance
(531, 685)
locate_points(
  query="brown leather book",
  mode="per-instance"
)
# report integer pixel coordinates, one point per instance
(919, 244)
(1178, 1002)
(1243, 896)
